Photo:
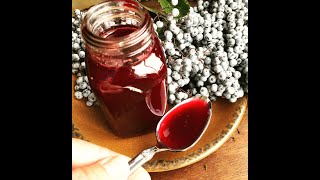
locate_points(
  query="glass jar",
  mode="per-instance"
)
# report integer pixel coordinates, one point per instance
(125, 65)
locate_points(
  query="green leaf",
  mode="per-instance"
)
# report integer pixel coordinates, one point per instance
(183, 7)
(161, 33)
(150, 9)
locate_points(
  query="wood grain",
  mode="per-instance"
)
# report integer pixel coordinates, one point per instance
(229, 162)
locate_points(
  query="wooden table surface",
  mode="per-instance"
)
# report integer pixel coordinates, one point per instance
(229, 162)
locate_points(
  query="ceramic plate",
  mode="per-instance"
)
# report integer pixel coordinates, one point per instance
(89, 124)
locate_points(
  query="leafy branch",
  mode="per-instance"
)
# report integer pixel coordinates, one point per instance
(183, 6)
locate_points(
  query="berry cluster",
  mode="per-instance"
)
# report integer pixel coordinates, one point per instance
(82, 88)
(207, 50)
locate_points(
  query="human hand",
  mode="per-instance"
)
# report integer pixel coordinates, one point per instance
(92, 162)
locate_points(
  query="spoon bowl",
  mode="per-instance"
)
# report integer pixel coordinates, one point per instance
(179, 129)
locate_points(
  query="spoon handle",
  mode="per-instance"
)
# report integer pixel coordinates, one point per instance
(142, 158)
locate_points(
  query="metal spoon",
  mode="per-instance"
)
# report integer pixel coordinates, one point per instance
(147, 154)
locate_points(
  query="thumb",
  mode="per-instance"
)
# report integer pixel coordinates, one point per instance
(111, 168)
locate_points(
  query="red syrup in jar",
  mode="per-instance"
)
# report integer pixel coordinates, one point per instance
(132, 96)
(183, 125)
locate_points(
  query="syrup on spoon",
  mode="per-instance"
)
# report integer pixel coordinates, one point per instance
(179, 129)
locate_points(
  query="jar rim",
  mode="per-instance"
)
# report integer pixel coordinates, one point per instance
(116, 42)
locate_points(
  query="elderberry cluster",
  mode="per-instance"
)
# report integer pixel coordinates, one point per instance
(207, 50)
(82, 88)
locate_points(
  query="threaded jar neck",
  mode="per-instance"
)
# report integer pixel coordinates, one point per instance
(104, 17)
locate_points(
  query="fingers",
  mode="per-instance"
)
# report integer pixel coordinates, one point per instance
(90, 161)
(85, 153)
(111, 168)
(140, 174)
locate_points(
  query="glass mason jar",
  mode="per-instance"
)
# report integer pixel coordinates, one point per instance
(125, 65)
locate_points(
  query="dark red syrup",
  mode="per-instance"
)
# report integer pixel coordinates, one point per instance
(183, 125)
(133, 95)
